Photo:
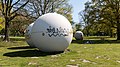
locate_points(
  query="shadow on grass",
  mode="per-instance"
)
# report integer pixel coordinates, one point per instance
(29, 53)
(23, 47)
(96, 41)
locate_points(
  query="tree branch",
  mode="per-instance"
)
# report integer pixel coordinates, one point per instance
(15, 3)
(20, 7)
(2, 7)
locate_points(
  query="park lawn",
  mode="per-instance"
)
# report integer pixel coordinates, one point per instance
(18, 54)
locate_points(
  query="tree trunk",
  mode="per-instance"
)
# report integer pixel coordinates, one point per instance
(118, 30)
(6, 38)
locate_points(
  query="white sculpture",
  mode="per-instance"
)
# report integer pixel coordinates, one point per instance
(52, 32)
(78, 35)
(28, 35)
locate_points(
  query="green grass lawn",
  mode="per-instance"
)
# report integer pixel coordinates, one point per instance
(101, 53)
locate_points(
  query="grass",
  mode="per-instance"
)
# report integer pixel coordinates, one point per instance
(101, 53)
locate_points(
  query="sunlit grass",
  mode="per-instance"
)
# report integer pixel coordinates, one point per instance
(18, 54)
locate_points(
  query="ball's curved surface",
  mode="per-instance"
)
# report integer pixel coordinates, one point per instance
(78, 35)
(28, 35)
(52, 32)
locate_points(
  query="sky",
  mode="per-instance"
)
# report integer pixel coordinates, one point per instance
(78, 5)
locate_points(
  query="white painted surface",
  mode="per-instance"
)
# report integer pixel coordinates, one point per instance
(78, 35)
(52, 32)
(28, 35)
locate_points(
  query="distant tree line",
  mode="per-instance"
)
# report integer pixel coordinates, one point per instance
(102, 17)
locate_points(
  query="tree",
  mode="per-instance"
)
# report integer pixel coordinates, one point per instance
(78, 27)
(18, 25)
(88, 16)
(9, 11)
(36, 8)
(103, 13)
(66, 11)
(111, 12)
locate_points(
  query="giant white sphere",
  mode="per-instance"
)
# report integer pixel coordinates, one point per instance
(28, 35)
(78, 35)
(52, 32)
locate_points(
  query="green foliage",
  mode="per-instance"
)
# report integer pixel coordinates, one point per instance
(103, 15)
(78, 27)
(66, 10)
(18, 25)
(1, 23)
(1, 27)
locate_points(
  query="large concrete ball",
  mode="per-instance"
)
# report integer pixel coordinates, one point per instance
(78, 35)
(52, 32)
(28, 35)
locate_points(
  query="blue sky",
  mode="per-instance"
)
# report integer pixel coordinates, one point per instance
(78, 5)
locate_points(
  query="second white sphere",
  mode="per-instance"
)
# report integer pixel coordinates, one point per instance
(28, 35)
